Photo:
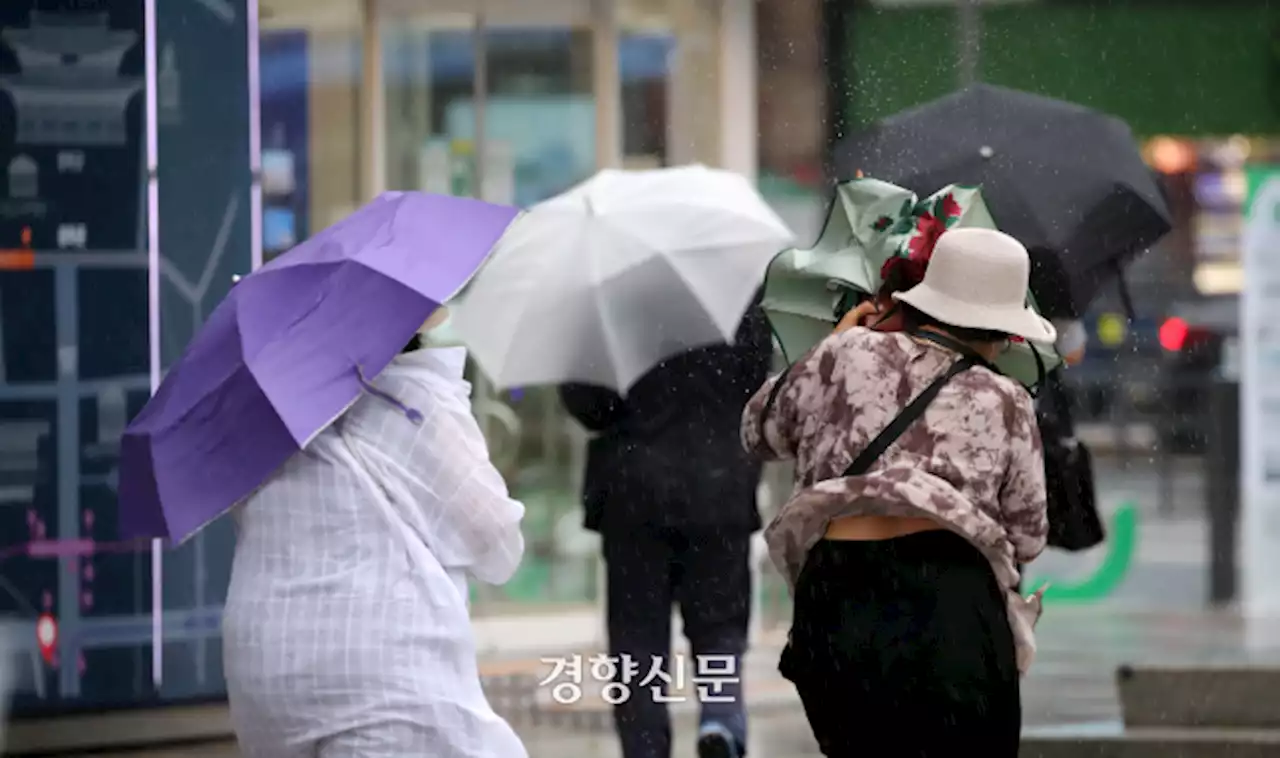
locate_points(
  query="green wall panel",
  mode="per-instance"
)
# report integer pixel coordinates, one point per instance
(1165, 68)
(900, 57)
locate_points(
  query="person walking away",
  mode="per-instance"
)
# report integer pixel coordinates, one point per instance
(673, 497)
(346, 631)
(919, 490)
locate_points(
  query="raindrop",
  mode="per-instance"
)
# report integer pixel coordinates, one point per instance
(986, 152)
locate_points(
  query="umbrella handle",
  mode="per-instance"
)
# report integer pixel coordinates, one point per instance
(413, 414)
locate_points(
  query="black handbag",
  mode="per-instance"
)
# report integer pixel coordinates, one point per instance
(1074, 523)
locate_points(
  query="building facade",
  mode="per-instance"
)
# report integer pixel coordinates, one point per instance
(513, 102)
(509, 100)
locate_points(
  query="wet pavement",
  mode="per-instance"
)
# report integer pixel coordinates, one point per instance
(1155, 615)
(1071, 689)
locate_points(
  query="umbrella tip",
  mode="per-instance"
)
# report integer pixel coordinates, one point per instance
(986, 152)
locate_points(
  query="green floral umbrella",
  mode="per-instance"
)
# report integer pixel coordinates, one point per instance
(871, 226)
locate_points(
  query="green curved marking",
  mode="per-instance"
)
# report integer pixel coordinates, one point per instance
(1122, 544)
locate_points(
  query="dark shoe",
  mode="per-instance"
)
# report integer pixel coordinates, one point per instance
(715, 741)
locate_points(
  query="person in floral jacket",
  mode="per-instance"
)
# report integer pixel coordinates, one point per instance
(908, 635)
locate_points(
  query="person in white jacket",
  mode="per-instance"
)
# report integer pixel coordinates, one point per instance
(346, 631)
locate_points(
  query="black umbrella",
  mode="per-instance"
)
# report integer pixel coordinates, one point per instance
(1065, 180)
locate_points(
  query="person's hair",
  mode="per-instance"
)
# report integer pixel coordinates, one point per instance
(914, 318)
(900, 278)
(418, 341)
(414, 343)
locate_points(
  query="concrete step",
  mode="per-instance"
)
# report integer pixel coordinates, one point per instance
(180, 729)
(1169, 696)
(1156, 743)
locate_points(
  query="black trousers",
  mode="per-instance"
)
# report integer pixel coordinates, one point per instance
(902, 649)
(707, 573)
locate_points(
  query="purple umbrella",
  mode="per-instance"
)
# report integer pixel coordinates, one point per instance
(289, 349)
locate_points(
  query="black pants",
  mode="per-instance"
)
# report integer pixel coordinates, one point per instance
(707, 572)
(902, 649)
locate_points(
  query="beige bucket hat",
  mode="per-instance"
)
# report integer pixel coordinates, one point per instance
(977, 278)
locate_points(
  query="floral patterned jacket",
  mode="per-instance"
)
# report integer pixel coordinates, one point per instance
(973, 461)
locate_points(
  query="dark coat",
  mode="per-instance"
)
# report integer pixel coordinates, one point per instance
(669, 454)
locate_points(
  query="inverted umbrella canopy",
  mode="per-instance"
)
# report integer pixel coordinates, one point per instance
(869, 224)
(289, 349)
(1066, 180)
(600, 284)
(804, 285)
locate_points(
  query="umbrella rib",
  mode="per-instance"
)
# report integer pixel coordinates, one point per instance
(510, 340)
(693, 291)
(597, 294)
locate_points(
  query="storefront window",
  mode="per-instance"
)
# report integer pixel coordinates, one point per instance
(645, 55)
(77, 308)
(477, 107)
(310, 94)
(511, 118)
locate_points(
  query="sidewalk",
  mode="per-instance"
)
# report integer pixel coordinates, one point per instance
(1070, 691)
(1071, 683)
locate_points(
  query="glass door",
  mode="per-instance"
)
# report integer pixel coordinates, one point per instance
(497, 100)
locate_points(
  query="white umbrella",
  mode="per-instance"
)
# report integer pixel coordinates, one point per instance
(600, 284)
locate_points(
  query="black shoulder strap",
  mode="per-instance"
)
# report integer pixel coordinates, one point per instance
(906, 418)
(969, 359)
(1042, 375)
(1060, 403)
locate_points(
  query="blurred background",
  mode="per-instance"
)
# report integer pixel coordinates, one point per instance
(515, 101)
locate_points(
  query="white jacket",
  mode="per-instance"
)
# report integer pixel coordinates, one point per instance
(347, 609)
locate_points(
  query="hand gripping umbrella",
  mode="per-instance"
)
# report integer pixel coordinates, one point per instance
(1067, 181)
(289, 349)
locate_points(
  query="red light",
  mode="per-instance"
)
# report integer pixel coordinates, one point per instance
(1173, 334)
(47, 637)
